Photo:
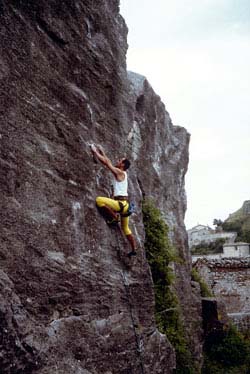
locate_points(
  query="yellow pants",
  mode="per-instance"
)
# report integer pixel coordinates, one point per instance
(114, 205)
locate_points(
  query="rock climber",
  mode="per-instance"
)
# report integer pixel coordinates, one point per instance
(119, 204)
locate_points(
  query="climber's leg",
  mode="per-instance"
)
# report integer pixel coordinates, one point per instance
(129, 235)
(108, 208)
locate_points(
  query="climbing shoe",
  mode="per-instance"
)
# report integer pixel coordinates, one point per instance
(113, 221)
(132, 253)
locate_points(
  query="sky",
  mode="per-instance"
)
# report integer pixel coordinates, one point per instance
(196, 56)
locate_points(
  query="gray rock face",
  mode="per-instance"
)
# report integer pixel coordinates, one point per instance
(160, 153)
(70, 301)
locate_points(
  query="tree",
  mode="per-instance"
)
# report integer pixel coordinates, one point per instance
(217, 222)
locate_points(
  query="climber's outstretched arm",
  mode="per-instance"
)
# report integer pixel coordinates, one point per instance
(100, 154)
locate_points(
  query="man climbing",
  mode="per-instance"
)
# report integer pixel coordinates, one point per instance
(111, 208)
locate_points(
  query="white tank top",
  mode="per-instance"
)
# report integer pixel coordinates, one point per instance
(121, 188)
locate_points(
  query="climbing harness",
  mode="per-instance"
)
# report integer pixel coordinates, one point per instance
(138, 340)
(131, 208)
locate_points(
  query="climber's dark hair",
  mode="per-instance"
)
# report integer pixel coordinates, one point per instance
(126, 164)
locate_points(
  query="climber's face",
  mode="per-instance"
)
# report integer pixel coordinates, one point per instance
(119, 163)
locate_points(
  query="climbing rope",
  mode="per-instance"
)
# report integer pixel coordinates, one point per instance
(138, 340)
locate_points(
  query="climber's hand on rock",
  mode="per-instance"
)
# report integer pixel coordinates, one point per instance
(101, 151)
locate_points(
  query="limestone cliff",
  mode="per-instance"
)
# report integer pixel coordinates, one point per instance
(70, 301)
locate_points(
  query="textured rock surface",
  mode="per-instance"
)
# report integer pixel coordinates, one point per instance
(70, 302)
(163, 148)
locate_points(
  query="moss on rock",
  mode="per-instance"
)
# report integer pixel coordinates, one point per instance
(160, 254)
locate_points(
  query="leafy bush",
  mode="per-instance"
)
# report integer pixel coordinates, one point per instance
(226, 352)
(207, 248)
(160, 254)
(241, 225)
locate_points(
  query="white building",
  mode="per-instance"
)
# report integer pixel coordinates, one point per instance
(236, 249)
(239, 249)
(202, 233)
(197, 233)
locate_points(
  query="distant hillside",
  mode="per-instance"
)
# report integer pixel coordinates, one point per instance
(239, 221)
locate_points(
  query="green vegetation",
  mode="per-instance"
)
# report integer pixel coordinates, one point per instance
(241, 225)
(239, 222)
(205, 291)
(226, 352)
(208, 248)
(160, 254)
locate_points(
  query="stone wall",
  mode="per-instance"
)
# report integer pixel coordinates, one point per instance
(229, 280)
(240, 320)
(236, 250)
